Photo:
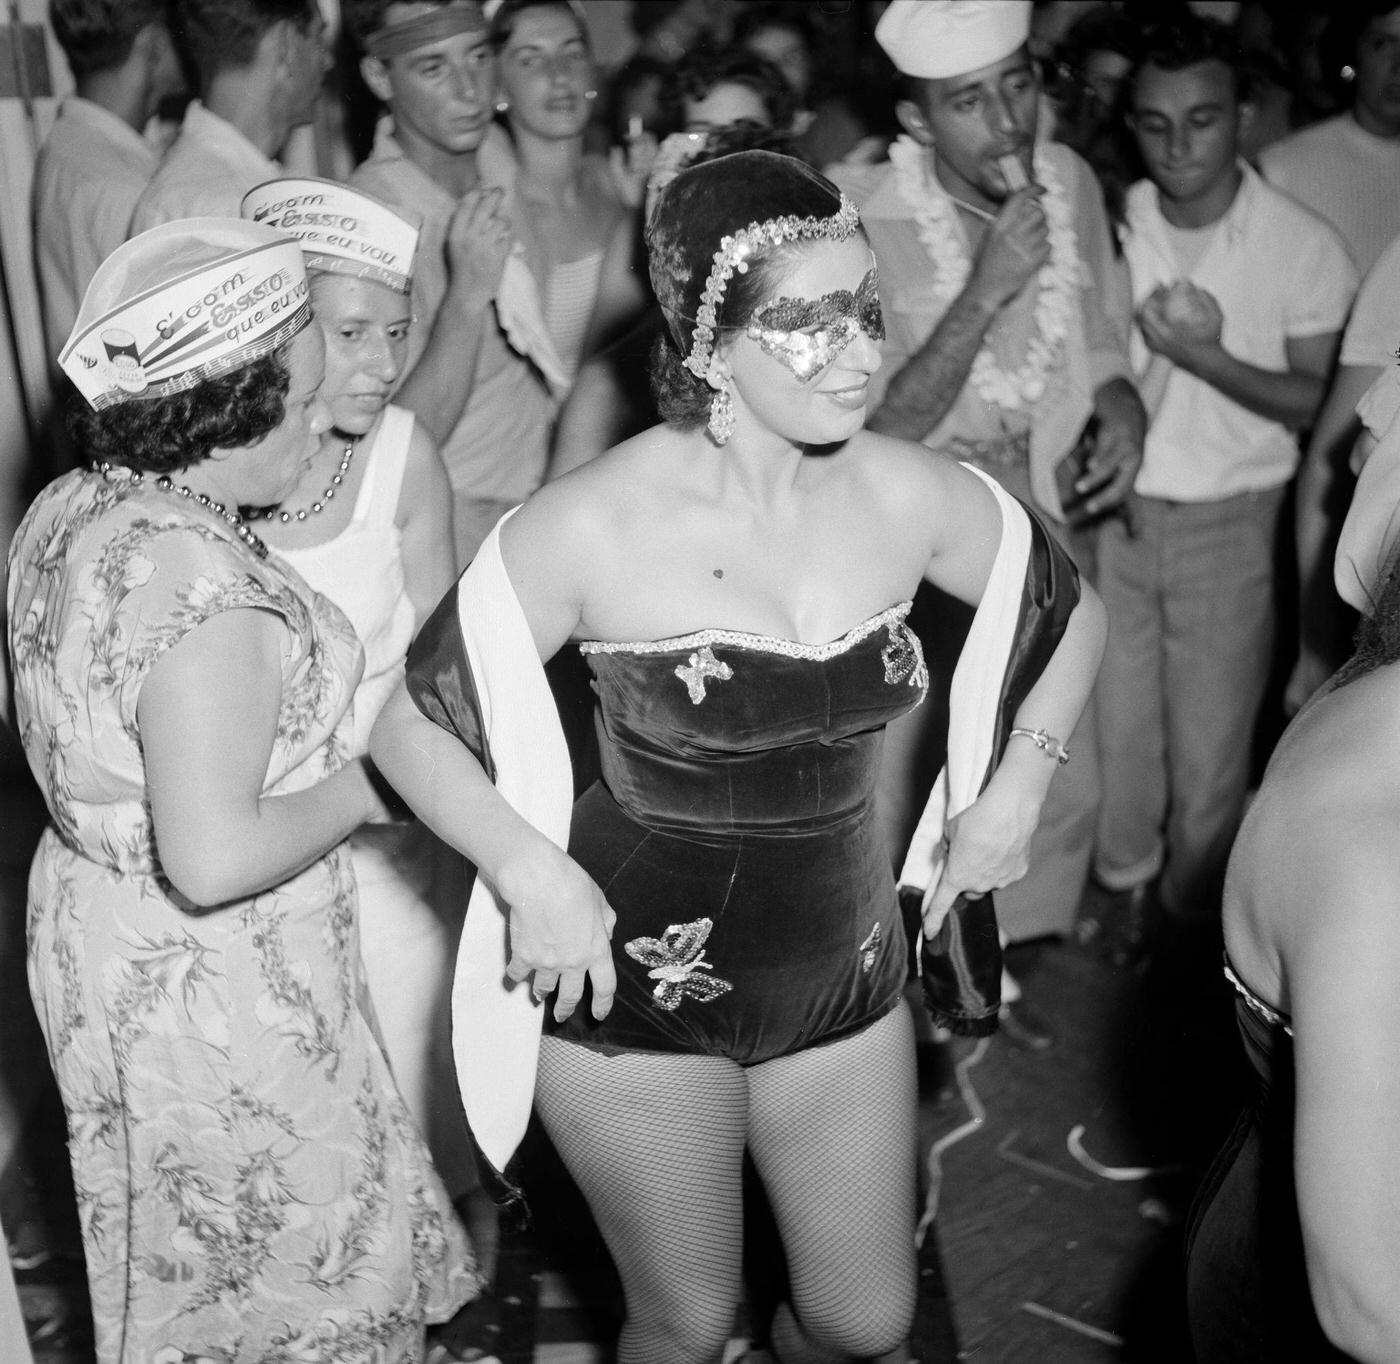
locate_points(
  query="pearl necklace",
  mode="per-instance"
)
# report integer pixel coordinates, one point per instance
(167, 485)
(337, 479)
(942, 237)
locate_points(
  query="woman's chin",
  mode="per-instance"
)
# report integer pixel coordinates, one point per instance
(356, 418)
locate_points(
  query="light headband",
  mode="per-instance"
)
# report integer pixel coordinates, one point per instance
(182, 303)
(397, 40)
(341, 230)
(733, 254)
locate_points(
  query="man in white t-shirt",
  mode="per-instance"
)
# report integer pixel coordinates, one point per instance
(1347, 168)
(1241, 297)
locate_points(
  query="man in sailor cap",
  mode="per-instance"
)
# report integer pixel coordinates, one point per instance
(1006, 309)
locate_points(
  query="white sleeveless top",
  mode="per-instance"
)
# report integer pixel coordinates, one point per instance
(569, 295)
(361, 571)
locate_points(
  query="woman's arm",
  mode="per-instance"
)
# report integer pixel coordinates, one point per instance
(1320, 498)
(424, 518)
(207, 715)
(989, 842)
(622, 293)
(560, 924)
(1338, 957)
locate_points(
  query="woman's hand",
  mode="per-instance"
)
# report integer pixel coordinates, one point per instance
(560, 931)
(630, 167)
(987, 846)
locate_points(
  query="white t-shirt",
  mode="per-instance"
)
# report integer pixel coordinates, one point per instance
(1373, 333)
(1346, 175)
(1278, 272)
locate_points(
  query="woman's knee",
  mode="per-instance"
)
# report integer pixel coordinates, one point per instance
(869, 1321)
(677, 1328)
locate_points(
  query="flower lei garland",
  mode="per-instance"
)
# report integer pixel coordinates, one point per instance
(942, 238)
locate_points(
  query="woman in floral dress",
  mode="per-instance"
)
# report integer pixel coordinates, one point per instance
(250, 1184)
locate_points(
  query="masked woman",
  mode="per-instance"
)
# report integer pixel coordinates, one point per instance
(738, 579)
(249, 1180)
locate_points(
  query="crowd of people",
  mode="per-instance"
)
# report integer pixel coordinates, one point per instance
(920, 439)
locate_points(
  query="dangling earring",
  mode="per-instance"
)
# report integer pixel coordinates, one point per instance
(502, 105)
(721, 423)
(590, 94)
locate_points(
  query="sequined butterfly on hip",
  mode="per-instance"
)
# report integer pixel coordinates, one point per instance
(674, 958)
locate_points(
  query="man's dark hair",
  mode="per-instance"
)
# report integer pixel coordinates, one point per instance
(1188, 39)
(96, 35)
(220, 35)
(363, 17)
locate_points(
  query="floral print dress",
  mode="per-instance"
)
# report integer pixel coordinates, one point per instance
(250, 1185)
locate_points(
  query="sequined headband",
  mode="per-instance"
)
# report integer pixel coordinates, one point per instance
(733, 254)
(408, 36)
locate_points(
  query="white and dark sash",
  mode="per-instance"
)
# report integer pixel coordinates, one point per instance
(1018, 624)
(474, 670)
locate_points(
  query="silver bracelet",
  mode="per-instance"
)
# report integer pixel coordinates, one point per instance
(1045, 742)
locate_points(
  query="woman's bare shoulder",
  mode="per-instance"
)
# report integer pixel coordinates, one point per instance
(1319, 835)
(906, 464)
(585, 510)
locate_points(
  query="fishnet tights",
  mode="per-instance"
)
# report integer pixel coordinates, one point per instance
(656, 1143)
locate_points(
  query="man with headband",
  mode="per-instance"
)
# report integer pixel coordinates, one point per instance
(261, 64)
(483, 379)
(1007, 318)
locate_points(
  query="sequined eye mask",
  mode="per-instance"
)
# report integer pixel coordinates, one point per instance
(807, 334)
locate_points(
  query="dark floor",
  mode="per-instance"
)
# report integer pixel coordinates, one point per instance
(1035, 1255)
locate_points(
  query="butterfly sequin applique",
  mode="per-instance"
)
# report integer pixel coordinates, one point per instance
(674, 958)
(703, 665)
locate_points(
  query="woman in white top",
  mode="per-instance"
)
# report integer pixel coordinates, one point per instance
(369, 526)
(567, 207)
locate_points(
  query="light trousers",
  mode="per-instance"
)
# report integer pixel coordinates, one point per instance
(1190, 603)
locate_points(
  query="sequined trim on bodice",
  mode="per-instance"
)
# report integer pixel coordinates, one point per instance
(1255, 1005)
(743, 639)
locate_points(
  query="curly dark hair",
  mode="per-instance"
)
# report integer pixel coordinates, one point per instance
(703, 70)
(1377, 640)
(96, 35)
(160, 435)
(707, 200)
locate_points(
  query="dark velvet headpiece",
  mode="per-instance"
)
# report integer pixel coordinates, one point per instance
(714, 216)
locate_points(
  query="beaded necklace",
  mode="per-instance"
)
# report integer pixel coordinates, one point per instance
(168, 485)
(337, 479)
(942, 238)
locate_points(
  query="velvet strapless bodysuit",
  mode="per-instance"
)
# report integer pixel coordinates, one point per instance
(733, 832)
